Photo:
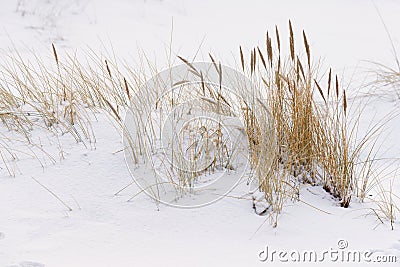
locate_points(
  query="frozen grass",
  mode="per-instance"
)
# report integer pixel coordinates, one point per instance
(298, 131)
(302, 132)
(314, 134)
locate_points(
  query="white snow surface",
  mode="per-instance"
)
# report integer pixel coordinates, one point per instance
(105, 230)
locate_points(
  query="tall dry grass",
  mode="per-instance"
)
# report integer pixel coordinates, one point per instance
(60, 98)
(298, 123)
(315, 137)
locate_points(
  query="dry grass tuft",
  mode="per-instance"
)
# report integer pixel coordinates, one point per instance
(298, 130)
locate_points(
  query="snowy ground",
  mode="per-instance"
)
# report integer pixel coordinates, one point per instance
(106, 230)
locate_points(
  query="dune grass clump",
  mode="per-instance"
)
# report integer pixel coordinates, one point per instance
(297, 121)
(59, 98)
(299, 130)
